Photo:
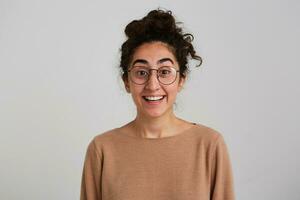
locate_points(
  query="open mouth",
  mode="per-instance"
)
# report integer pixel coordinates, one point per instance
(153, 98)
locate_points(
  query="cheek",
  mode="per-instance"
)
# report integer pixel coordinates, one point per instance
(135, 92)
(172, 92)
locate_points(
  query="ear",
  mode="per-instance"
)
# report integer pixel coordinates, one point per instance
(181, 83)
(126, 84)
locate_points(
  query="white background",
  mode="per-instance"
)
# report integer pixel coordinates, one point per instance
(60, 86)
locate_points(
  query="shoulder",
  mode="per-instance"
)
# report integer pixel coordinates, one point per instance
(104, 139)
(207, 135)
(212, 140)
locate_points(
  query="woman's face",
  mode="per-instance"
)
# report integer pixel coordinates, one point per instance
(154, 99)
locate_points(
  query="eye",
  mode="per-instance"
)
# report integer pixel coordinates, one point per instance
(165, 71)
(141, 73)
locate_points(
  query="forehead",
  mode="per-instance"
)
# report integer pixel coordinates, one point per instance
(153, 53)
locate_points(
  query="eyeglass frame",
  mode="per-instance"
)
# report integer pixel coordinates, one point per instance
(157, 76)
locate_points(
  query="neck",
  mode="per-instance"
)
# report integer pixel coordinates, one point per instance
(155, 127)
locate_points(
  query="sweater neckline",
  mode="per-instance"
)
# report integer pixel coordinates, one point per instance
(183, 133)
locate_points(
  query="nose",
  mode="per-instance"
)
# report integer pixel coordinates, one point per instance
(153, 83)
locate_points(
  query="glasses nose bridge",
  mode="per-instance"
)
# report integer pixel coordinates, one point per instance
(150, 74)
(153, 70)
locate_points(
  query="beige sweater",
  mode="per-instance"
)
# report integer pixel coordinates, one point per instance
(193, 165)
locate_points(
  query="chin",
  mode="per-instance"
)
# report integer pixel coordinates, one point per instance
(154, 113)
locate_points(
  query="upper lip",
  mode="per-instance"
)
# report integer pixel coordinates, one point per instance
(157, 95)
(153, 95)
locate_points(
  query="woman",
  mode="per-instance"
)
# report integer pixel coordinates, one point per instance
(157, 156)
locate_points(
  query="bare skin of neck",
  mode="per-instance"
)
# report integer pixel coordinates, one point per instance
(160, 127)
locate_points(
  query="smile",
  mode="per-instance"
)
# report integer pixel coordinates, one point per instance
(153, 98)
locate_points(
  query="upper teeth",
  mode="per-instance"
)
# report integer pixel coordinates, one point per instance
(154, 98)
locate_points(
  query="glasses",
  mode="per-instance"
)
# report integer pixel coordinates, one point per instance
(140, 75)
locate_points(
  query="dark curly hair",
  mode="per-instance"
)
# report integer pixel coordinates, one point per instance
(158, 25)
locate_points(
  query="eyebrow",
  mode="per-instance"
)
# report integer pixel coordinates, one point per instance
(142, 61)
(165, 60)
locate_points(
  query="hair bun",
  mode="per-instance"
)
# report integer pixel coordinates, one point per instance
(155, 22)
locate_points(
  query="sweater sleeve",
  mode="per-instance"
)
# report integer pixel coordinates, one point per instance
(91, 175)
(222, 177)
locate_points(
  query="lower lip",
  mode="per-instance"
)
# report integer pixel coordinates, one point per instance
(154, 102)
